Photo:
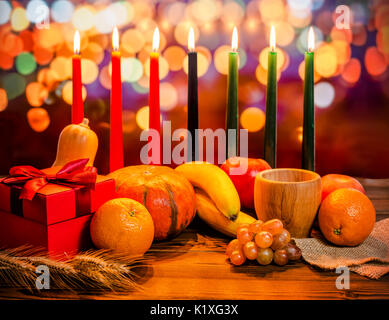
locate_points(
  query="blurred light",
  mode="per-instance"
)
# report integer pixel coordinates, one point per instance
(317, 4)
(359, 35)
(105, 77)
(220, 59)
(142, 118)
(38, 119)
(25, 63)
(67, 92)
(168, 96)
(3, 98)
(93, 52)
(175, 12)
(300, 18)
(47, 77)
(252, 119)
(272, 10)
(62, 67)
(299, 132)
(250, 93)
(42, 56)
(175, 56)
(326, 61)
(89, 71)
(285, 33)
(341, 34)
(5, 11)
(37, 11)
(84, 18)
(343, 51)
(129, 123)
(62, 11)
(233, 13)
(19, 20)
(132, 41)
(114, 15)
(324, 94)
(300, 4)
(14, 84)
(375, 61)
(6, 61)
(36, 94)
(352, 71)
(204, 10)
(132, 69)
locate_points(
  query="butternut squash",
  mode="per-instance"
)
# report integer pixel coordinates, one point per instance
(76, 141)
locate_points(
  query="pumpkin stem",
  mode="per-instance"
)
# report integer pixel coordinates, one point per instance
(85, 122)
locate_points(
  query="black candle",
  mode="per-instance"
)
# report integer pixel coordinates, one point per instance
(193, 113)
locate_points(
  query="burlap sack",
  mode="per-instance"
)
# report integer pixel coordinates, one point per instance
(370, 259)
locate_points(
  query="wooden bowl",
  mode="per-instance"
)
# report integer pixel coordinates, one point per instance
(291, 195)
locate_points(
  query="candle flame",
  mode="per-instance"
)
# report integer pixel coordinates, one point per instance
(191, 40)
(76, 42)
(272, 39)
(234, 41)
(115, 39)
(311, 40)
(156, 40)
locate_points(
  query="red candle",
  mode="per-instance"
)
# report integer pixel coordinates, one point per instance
(116, 128)
(154, 108)
(78, 106)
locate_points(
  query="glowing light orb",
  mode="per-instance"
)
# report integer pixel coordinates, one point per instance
(264, 57)
(14, 84)
(132, 41)
(84, 18)
(168, 96)
(5, 11)
(175, 56)
(352, 71)
(272, 10)
(25, 63)
(19, 20)
(252, 119)
(37, 11)
(38, 119)
(326, 62)
(132, 69)
(375, 61)
(142, 118)
(324, 94)
(36, 94)
(62, 11)
(3, 99)
(62, 67)
(89, 71)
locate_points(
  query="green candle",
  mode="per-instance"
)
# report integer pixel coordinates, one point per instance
(270, 144)
(308, 148)
(232, 118)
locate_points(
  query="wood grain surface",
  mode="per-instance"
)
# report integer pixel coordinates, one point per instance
(194, 266)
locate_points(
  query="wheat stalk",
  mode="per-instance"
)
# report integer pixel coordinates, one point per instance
(93, 269)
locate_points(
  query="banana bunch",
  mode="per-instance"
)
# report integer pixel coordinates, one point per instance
(217, 200)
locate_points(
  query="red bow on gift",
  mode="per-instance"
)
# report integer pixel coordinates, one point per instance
(74, 174)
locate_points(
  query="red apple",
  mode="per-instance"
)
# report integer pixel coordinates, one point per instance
(332, 182)
(244, 183)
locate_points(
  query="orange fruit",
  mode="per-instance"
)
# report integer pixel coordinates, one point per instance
(123, 225)
(346, 217)
(332, 182)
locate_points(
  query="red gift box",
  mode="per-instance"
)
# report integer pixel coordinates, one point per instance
(57, 217)
(59, 239)
(55, 203)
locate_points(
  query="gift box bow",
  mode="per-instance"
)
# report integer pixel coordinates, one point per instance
(73, 174)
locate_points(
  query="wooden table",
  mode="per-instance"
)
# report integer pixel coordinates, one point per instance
(194, 266)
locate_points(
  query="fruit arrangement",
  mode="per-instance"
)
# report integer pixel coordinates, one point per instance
(264, 242)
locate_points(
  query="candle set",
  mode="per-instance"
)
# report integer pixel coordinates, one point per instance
(232, 110)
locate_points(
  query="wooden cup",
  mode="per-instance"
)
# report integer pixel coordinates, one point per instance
(291, 195)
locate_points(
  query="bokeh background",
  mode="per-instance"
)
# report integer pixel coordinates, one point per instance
(351, 76)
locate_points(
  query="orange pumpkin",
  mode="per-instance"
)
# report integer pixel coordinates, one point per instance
(76, 141)
(167, 195)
